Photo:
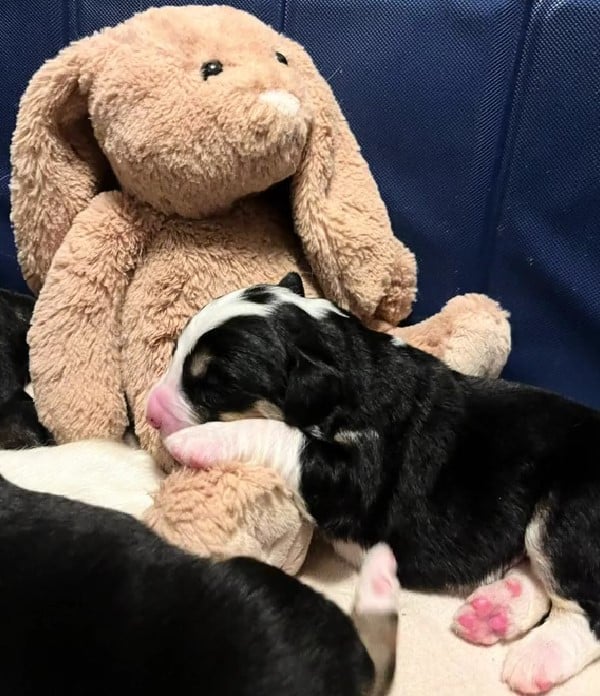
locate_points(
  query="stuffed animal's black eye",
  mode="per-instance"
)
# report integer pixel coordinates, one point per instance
(281, 58)
(213, 67)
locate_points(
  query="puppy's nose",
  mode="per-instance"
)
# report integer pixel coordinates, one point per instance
(283, 101)
(159, 411)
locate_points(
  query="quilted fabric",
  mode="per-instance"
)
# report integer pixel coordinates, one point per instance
(481, 122)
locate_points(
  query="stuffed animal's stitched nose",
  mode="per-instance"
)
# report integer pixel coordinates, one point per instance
(283, 101)
(159, 411)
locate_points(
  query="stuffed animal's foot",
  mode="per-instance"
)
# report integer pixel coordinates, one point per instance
(471, 335)
(502, 610)
(551, 654)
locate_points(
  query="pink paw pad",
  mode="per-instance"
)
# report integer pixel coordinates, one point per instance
(514, 586)
(486, 617)
(381, 585)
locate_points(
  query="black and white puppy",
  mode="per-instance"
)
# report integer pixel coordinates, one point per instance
(92, 602)
(463, 477)
(19, 423)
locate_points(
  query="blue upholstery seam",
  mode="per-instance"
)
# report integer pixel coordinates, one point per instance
(506, 145)
(284, 9)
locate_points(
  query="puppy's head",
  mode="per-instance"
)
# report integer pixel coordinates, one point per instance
(240, 356)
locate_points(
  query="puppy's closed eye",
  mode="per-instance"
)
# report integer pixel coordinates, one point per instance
(314, 388)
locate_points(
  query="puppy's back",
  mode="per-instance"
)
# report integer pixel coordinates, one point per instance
(93, 602)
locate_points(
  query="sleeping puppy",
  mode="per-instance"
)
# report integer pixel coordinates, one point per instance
(19, 423)
(463, 477)
(92, 602)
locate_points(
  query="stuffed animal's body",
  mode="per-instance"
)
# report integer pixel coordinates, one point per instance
(169, 160)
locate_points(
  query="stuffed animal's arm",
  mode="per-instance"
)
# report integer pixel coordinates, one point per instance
(76, 333)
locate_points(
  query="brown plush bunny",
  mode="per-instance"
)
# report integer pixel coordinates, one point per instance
(168, 160)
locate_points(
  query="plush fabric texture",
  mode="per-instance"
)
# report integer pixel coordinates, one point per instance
(253, 515)
(141, 190)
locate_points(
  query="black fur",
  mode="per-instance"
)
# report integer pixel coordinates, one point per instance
(293, 281)
(19, 423)
(15, 317)
(448, 469)
(20, 427)
(92, 602)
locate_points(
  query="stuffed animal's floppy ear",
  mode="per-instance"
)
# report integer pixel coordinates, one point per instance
(57, 165)
(293, 281)
(340, 216)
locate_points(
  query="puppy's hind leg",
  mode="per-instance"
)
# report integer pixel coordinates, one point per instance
(563, 544)
(375, 613)
(503, 610)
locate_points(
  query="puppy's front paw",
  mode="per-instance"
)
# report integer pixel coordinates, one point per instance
(198, 447)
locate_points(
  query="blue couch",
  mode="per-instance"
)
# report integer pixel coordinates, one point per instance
(481, 122)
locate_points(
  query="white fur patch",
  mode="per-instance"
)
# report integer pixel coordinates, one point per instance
(265, 443)
(215, 314)
(316, 307)
(378, 589)
(233, 305)
(552, 653)
(534, 545)
(108, 474)
(398, 342)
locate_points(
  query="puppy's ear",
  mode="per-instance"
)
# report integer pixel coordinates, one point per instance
(293, 282)
(314, 388)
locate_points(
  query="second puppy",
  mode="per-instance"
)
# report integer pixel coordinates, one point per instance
(19, 423)
(94, 603)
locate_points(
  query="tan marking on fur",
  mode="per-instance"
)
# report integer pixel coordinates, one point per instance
(352, 553)
(199, 363)
(261, 409)
(354, 437)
